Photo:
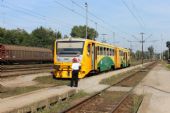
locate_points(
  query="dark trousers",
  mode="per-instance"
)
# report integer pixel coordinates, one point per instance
(74, 79)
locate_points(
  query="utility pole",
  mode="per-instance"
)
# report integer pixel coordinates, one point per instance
(142, 46)
(161, 48)
(114, 38)
(96, 30)
(104, 41)
(86, 5)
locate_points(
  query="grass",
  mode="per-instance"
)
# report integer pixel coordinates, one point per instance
(165, 64)
(136, 103)
(115, 78)
(168, 66)
(18, 90)
(60, 106)
(43, 82)
(50, 80)
(137, 62)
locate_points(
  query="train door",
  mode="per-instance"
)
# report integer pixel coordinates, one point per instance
(117, 58)
(125, 58)
(93, 56)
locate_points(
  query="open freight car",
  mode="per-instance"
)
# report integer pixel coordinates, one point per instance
(21, 54)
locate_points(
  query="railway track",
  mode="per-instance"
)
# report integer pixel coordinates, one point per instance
(17, 70)
(105, 101)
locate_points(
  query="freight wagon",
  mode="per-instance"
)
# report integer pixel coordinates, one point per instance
(22, 54)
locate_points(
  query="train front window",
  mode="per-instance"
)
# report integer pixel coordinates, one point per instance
(69, 48)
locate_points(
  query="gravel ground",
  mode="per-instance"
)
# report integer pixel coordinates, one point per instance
(21, 81)
(156, 88)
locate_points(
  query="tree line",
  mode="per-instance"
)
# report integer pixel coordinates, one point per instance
(45, 37)
(149, 54)
(41, 36)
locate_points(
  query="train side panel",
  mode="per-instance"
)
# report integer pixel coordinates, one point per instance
(105, 58)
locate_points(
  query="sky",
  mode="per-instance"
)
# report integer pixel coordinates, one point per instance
(121, 21)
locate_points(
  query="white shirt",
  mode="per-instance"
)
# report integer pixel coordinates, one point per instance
(75, 66)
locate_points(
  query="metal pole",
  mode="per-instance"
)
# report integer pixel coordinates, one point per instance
(96, 30)
(86, 5)
(161, 48)
(142, 47)
(114, 41)
(169, 53)
(3, 14)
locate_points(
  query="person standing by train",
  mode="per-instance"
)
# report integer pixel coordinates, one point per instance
(75, 71)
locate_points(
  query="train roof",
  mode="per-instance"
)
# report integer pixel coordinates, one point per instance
(81, 39)
(17, 47)
(72, 39)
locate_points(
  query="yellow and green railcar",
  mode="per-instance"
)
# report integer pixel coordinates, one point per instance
(94, 56)
(122, 57)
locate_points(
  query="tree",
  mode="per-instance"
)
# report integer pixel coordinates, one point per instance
(14, 36)
(80, 31)
(42, 37)
(168, 45)
(138, 54)
(59, 35)
(151, 51)
(2, 35)
(65, 36)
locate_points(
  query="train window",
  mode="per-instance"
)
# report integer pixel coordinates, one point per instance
(101, 52)
(104, 51)
(88, 49)
(71, 48)
(120, 53)
(108, 51)
(98, 50)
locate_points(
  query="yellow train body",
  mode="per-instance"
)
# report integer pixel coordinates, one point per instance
(94, 56)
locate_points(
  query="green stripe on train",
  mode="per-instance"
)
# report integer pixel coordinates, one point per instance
(105, 63)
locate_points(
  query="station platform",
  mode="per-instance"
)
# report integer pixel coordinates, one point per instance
(31, 102)
(156, 90)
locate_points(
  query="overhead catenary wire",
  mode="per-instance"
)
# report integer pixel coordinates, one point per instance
(131, 12)
(34, 14)
(111, 27)
(99, 18)
(72, 10)
(139, 16)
